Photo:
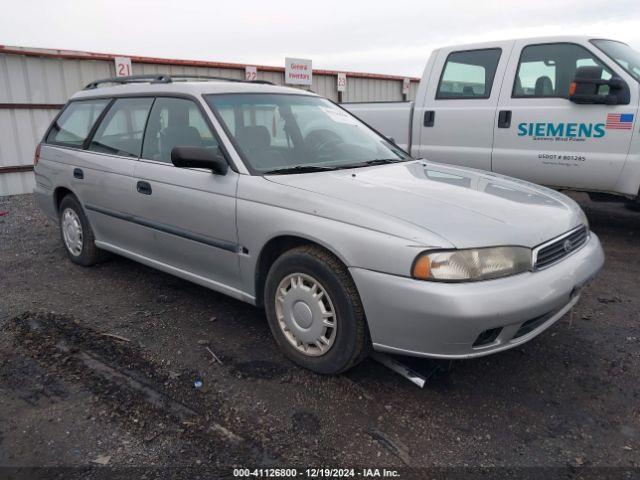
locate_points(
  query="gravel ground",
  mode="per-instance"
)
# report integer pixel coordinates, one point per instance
(97, 367)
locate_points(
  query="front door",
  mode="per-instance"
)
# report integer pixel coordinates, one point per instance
(189, 214)
(460, 105)
(550, 140)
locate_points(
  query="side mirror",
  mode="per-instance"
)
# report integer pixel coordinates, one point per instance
(199, 157)
(586, 85)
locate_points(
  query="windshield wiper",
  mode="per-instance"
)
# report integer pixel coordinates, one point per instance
(375, 161)
(383, 161)
(320, 168)
(299, 169)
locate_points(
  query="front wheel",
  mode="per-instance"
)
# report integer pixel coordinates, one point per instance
(314, 311)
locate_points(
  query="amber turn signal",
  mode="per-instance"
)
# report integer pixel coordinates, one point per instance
(422, 268)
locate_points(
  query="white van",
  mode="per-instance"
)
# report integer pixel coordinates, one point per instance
(557, 111)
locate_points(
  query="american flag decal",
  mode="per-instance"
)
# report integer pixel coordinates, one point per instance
(619, 121)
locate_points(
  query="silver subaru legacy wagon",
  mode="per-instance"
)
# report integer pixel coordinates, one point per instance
(280, 198)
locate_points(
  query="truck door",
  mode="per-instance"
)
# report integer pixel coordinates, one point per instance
(455, 116)
(542, 136)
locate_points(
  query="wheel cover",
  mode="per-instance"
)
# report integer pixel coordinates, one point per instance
(72, 232)
(305, 314)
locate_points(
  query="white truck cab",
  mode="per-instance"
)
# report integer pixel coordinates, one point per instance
(557, 111)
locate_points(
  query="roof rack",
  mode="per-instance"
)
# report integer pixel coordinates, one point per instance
(166, 78)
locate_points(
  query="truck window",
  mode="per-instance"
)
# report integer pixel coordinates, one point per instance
(468, 74)
(548, 70)
(74, 124)
(120, 132)
(622, 54)
(175, 122)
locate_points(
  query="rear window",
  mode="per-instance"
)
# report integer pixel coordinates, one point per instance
(120, 133)
(73, 125)
(468, 74)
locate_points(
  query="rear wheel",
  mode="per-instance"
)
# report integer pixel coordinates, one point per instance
(315, 312)
(77, 235)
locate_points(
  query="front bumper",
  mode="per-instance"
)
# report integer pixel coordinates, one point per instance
(444, 320)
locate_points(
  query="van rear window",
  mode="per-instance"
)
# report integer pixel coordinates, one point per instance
(73, 125)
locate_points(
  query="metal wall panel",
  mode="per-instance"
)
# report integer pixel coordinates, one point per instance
(16, 183)
(51, 79)
(20, 131)
(26, 79)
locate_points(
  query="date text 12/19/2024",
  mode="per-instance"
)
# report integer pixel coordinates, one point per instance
(315, 473)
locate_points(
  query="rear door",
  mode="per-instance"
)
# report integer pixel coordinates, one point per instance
(189, 214)
(107, 186)
(550, 140)
(459, 106)
(99, 169)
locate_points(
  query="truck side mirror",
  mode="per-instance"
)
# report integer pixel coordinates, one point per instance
(586, 85)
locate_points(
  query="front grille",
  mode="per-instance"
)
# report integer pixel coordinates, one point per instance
(559, 248)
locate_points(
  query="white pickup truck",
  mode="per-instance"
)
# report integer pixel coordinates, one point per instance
(557, 111)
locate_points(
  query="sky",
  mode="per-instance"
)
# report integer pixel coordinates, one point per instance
(392, 37)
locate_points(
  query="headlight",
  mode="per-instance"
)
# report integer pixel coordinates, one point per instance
(472, 264)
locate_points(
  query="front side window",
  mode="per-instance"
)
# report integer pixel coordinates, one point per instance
(120, 132)
(73, 125)
(548, 70)
(175, 122)
(276, 131)
(468, 75)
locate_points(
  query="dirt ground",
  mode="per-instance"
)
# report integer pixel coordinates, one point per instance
(97, 367)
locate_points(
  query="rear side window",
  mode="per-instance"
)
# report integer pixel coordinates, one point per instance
(73, 125)
(547, 70)
(121, 130)
(175, 122)
(469, 74)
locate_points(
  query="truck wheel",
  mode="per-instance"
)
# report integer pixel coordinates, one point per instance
(76, 233)
(314, 311)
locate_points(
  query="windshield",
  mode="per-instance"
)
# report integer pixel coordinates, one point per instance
(296, 133)
(622, 54)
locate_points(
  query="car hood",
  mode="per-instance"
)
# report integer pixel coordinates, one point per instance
(469, 208)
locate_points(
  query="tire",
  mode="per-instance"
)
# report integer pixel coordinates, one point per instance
(293, 277)
(84, 251)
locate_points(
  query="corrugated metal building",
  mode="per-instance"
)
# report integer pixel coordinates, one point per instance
(35, 83)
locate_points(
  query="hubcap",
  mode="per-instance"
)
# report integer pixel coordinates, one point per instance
(72, 232)
(305, 314)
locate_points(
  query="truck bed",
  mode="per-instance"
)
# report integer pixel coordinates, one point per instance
(393, 119)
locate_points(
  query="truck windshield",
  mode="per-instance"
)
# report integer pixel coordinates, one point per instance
(288, 133)
(622, 54)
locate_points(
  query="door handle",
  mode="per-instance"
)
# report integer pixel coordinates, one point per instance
(78, 173)
(504, 119)
(143, 188)
(429, 118)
